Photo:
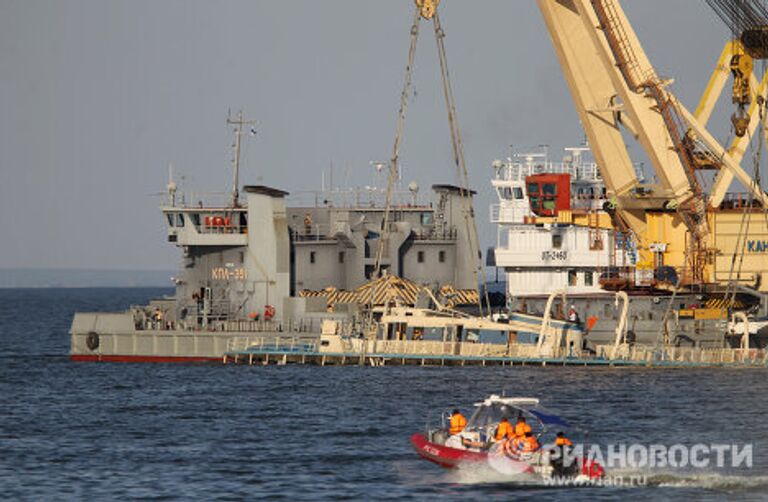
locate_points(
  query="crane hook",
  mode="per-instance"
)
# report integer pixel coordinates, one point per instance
(427, 8)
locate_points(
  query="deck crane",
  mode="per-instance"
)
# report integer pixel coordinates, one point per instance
(427, 10)
(616, 89)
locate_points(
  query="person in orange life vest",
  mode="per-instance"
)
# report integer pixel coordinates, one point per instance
(561, 440)
(529, 443)
(521, 427)
(558, 455)
(504, 430)
(513, 446)
(458, 422)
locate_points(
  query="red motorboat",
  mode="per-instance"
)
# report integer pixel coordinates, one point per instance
(476, 443)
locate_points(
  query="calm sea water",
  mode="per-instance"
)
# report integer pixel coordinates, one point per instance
(107, 431)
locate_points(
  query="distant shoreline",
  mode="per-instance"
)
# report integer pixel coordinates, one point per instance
(88, 287)
(40, 278)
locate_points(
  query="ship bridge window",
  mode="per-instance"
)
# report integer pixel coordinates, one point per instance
(533, 188)
(195, 219)
(557, 241)
(549, 189)
(518, 193)
(548, 204)
(170, 219)
(588, 279)
(572, 278)
(426, 219)
(179, 220)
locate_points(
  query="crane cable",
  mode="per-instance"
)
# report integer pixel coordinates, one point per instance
(746, 217)
(458, 153)
(461, 167)
(393, 168)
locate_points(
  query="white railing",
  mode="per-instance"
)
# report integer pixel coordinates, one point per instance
(431, 349)
(355, 197)
(694, 355)
(515, 171)
(190, 199)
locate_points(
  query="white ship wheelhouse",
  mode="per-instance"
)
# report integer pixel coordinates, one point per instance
(551, 230)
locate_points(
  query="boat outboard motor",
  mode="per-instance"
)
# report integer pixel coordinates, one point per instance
(557, 459)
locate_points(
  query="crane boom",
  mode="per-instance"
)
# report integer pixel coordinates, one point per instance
(595, 97)
(614, 84)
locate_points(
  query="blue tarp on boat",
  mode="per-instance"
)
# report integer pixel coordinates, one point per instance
(549, 419)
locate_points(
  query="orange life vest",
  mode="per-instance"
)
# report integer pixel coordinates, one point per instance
(521, 428)
(458, 422)
(529, 444)
(563, 442)
(512, 447)
(504, 430)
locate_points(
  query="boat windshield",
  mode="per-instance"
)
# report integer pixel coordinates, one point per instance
(489, 415)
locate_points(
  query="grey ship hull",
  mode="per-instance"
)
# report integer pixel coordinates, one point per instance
(118, 340)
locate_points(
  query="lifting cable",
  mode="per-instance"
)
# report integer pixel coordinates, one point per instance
(393, 167)
(393, 161)
(458, 154)
(461, 167)
(746, 216)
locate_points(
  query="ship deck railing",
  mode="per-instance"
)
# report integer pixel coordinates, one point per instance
(349, 198)
(295, 349)
(290, 325)
(691, 355)
(315, 232)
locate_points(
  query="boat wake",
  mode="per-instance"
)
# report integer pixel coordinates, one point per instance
(482, 474)
(706, 480)
(479, 473)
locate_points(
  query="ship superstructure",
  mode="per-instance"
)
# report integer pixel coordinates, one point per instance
(552, 231)
(238, 259)
(557, 231)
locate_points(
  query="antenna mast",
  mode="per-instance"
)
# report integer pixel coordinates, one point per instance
(238, 130)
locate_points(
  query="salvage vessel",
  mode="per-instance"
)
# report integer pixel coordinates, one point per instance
(255, 265)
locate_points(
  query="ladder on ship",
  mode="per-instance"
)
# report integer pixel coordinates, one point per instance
(595, 234)
(693, 210)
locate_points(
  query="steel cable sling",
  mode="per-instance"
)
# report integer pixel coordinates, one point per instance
(429, 12)
(461, 167)
(393, 161)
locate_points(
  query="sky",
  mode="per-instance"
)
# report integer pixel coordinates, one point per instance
(98, 97)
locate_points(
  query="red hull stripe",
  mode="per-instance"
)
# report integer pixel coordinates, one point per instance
(444, 455)
(140, 359)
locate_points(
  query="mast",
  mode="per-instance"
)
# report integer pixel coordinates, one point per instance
(238, 130)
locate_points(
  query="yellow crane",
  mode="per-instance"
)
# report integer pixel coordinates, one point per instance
(616, 89)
